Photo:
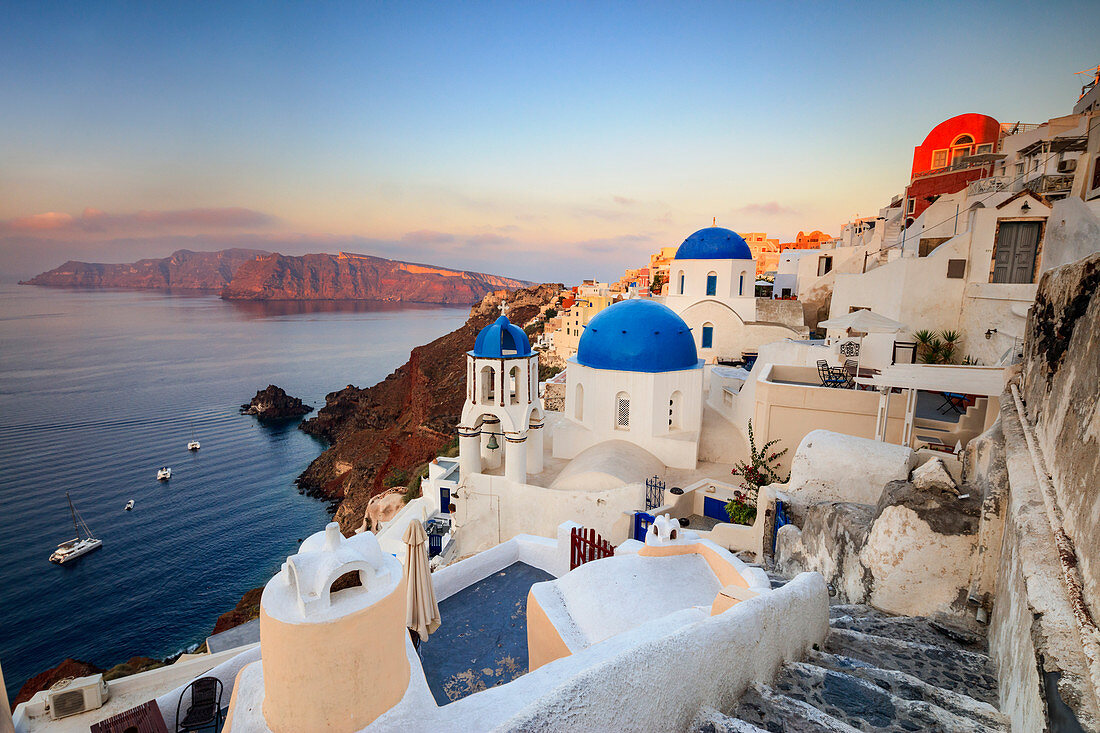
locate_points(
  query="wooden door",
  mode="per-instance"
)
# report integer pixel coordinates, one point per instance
(1017, 247)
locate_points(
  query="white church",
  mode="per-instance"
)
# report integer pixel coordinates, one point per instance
(635, 408)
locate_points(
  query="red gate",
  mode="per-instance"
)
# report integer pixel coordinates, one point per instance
(586, 545)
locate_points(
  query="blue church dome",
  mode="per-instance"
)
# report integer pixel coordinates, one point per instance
(714, 243)
(637, 336)
(501, 338)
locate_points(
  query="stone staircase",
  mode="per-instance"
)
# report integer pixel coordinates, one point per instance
(876, 672)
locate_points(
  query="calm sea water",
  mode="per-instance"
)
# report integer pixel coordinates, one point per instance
(98, 389)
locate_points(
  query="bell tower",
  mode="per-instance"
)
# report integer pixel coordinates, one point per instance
(502, 417)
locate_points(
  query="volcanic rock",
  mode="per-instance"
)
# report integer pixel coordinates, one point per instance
(43, 680)
(183, 270)
(347, 276)
(409, 417)
(273, 403)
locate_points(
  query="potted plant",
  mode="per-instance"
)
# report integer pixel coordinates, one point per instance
(759, 470)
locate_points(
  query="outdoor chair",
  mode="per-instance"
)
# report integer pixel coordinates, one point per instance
(205, 708)
(832, 376)
(953, 401)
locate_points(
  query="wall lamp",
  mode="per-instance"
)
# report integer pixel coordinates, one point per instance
(1025, 207)
(989, 333)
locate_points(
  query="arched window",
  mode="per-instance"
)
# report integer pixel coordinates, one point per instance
(622, 411)
(675, 410)
(578, 402)
(963, 140)
(488, 384)
(681, 282)
(708, 335)
(513, 385)
(712, 283)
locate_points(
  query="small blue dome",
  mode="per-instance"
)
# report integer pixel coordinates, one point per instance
(638, 335)
(714, 243)
(501, 338)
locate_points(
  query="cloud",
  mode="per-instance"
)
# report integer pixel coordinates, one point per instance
(427, 236)
(488, 239)
(93, 221)
(624, 201)
(770, 208)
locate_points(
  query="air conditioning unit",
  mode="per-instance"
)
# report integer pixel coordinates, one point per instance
(76, 696)
(1067, 166)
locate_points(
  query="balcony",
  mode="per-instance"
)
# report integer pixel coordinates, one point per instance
(1051, 185)
(988, 185)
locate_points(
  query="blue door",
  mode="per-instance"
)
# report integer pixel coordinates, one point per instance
(715, 509)
(444, 500)
(641, 524)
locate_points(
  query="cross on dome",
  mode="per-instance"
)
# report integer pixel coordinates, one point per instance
(504, 307)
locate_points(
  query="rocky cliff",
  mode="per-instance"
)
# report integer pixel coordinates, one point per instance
(273, 403)
(183, 270)
(408, 418)
(346, 276)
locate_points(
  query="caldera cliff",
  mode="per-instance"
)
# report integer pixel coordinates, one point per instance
(388, 430)
(182, 270)
(347, 276)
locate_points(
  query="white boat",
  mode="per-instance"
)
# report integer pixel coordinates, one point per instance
(193, 445)
(79, 545)
(164, 474)
(129, 505)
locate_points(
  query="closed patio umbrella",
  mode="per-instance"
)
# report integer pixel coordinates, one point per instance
(421, 609)
(864, 321)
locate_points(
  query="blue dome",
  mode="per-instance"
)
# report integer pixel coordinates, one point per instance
(501, 338)
(637, 336)
(714, 243)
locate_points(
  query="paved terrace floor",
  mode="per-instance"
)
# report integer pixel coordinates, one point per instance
(482, 640)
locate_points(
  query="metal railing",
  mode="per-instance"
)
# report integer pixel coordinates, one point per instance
(1060, 183)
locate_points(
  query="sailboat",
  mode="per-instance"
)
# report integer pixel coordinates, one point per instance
(80, 545)
(193, 444)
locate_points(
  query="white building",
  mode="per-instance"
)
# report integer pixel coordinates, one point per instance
(712, 289)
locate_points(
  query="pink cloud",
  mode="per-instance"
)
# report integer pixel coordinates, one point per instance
(427, 236)
(770, 208)
(95, 221)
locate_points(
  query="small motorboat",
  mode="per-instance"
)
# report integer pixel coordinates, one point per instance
(79, 545)
(194, 445)
(129, 505)
(164, 474)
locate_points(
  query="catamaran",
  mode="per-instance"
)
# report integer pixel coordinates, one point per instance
(79, 545)
(193, 444)
(164, 474)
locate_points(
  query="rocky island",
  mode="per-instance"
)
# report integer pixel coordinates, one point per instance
(256, 275)
(272, 403)
(182, 270)
(346, 276)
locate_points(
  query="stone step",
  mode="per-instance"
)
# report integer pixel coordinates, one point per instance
(912, 628)
(968, 673)
(912, 688)
(855, 610)
(777, 580)
(712, 721)
(865, 705)
(765, 708)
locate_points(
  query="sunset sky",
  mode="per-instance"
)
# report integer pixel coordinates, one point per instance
(537, 140)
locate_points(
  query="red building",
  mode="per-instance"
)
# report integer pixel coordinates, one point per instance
(944, 162)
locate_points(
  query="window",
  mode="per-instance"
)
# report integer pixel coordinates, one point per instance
(939, 158)
(712, 284)
(984, 148)
(513, 385)
(675, 407)
(488, 384)
(741, 284)
(578, 403)
(963, 140)
(708, 335)
(956, 269)
(622, 414)
(1015, 252)
(1019, 169)
(824, 265)
(910, 206)
(957, 153)
(681, 283)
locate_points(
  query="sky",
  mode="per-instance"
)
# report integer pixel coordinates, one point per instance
(546, 141)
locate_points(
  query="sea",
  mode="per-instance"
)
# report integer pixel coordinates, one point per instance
(99, 389)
